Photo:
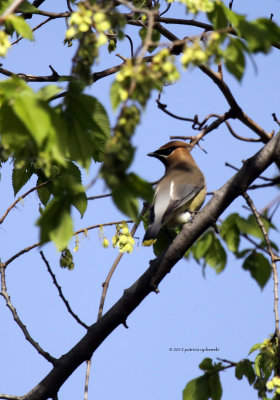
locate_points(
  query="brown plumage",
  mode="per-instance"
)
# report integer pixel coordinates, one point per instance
(179, 193)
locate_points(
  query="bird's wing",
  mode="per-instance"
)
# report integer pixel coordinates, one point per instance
(180, 194)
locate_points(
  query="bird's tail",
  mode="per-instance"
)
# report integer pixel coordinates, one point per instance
(151, 235)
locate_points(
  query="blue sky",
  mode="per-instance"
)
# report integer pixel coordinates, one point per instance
(227, 311)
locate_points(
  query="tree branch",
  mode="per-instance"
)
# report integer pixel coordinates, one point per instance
(158, 269)
(18, 321)
(22, 197)
(65, 301)
(273, 258)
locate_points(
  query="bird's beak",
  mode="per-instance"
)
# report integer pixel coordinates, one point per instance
(152, 154)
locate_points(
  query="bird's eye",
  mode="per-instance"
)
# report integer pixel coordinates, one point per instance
(165, 152)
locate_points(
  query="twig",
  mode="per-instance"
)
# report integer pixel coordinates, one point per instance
(253, 242)
(69, 6)
(232, 363)
(33, 30)
(87, 379)
(18, 321)
(9, 397)
(259, 177)
(84, 230)
(162, 107)
(53, 78)
(233, 133)
(264, 185)
(26, 250)
(275, 119)
(65, 301)
(131, 45)
(165, 11)
(53, 15)
(105, 284)
(22, 197)
(273, 258)
(101, 196)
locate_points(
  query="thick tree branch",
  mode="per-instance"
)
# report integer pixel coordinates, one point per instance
(158, 269)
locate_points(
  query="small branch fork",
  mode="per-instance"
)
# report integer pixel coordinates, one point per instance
(18, 321)
(273, 258)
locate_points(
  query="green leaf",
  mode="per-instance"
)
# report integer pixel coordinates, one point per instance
(218, 16)
(252, 220)
(126, 200)
(56, 223)
(10, 87)
(250, 226)
(33, 115)
(20, 176)
(216, 256)
(47, 92)
(259, 34)
(126, 193)
(14, 136)
(89, 128)
(27, 7)
(20, 26)
(245, 368)
(234, 58)
(155, 37)
(197, 389)
(234, 18)
(230, 233)
(4, 4)
(243, 253)
(80, 202)
(255, 347)
(43, 192)
(215, 386)
(259, 268)
(140, 187)
(114, 95)
(259, 361)
(206, 364)
(201, 246)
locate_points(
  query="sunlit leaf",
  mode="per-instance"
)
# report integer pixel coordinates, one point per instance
(20, 26)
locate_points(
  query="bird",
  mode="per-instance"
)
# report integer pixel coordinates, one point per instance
(179, 193)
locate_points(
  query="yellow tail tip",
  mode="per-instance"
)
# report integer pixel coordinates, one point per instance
(149, 242)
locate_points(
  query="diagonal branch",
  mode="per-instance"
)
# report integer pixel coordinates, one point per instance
(18, 321)
(65, 301)
(273, 258)
(157, 270)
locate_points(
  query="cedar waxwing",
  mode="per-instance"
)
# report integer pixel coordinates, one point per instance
(180, 192)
